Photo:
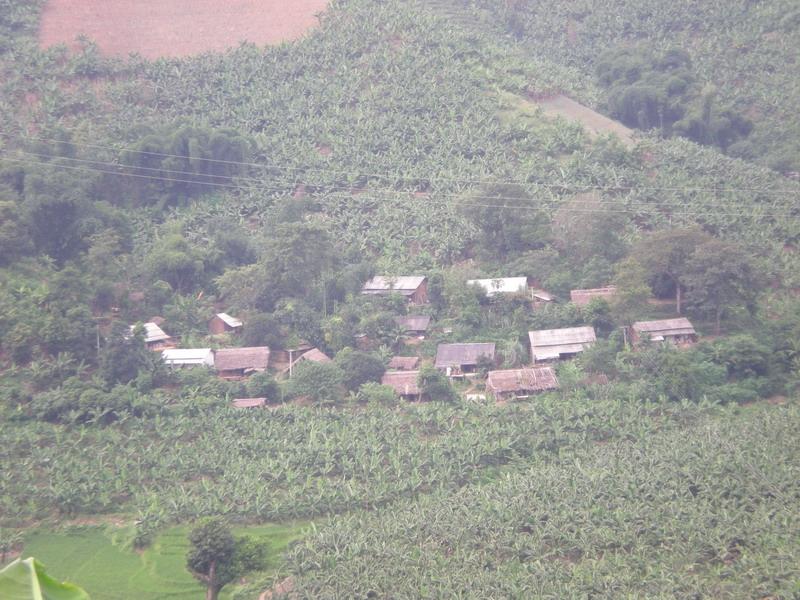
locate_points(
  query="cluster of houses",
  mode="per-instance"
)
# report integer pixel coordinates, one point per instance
(463, 360)
(455, 360)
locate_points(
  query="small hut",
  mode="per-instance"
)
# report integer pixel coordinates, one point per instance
(222, 323)
(521, 383)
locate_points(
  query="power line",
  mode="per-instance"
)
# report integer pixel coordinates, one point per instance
(750, 213)
(198, 178)
(397, 177)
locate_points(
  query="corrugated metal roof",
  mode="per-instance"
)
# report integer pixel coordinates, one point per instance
(249, 402)
(188, 356)
(234, 359)
(152, 333)
(413, 322)
(403, 363)
(550, 343)
(407, 284)
(679, 326)
(543, 295)
(229, 320)
(501, 285)
(403, 382)
(583, 297)
(535, 379)
(456, 355)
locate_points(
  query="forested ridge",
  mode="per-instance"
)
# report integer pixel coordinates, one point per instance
(407, 138)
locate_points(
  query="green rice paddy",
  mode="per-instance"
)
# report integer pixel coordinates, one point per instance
(95, 558)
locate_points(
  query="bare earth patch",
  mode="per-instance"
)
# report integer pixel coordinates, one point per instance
(595, 123)
(175, 28)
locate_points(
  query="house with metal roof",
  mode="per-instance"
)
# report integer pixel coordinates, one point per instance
(154, 337)
(458, 360)
(678, 331)
(555, 344)
(235, 363)
(188, 357)
(249, 403)
(413, 287)
(404, 383)
(501, 285)
(223, 322)
(521, 383)
(583, 297)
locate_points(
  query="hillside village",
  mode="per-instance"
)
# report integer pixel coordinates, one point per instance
(399, 299)
(474, 364)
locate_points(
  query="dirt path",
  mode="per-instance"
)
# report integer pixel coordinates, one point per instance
(595, 123)
(176, 28)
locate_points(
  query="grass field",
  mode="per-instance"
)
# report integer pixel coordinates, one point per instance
(94, 558)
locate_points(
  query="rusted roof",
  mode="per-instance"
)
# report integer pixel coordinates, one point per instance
(403, 363)
(235, 359)
(535, 379)
(502, 285)
(413, 322)
(551, 343)
(404, 284)
(229, 320)
(679, 326)
(457, 355)
(315, 355)
(583, 297)
(248, 402)
(403, 382)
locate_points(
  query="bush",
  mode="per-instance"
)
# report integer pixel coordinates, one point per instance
(375, 393)
(359, 368)
(262, 385)
(434, 385)
(322, 382)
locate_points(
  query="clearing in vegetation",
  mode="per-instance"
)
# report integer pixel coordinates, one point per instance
(175, 28)
(595, 123)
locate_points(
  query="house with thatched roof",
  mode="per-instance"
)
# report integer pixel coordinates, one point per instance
(556, 344)
(413, 324)
(458, 360)
(404, 383)
(403, 363)
(584, 297)
(521, 383)
(413, 287)
(235, 363)
(678, 331)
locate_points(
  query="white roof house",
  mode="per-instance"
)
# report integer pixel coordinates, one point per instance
(404, 284)
(549, 344)
(188, 357)
(152, 333)
(229, 320)
(502, 285)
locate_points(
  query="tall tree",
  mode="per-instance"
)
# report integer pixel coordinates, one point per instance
(719, 276)
(666, 254)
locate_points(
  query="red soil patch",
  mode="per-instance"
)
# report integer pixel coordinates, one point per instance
(175, 28)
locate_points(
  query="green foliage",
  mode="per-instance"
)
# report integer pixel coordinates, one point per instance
(262, 385)
(174, 260)
(124, 355)
(375, 393)
(719, 277)
(28, 580)
(434, 385)
(358, 368)
(321, 382)
(217, 558)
